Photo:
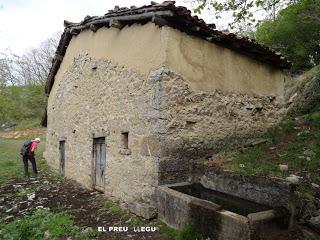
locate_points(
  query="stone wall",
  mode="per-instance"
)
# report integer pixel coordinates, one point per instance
(100, 98)
(181, 210)
(196, 124)
(266, 191)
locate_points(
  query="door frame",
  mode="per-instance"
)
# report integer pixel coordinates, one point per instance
(93, 171)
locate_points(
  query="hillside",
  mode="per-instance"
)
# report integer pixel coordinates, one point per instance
(21, 106)
(294, 141)
(290, 150)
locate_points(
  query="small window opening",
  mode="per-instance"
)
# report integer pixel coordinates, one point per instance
(125, 140)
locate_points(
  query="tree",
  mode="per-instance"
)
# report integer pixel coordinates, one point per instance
(296, 33)
(22, 78)
(250, 12)
(7, 70)
(34, 65)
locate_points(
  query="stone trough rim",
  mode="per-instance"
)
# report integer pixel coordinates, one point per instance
(261, 216)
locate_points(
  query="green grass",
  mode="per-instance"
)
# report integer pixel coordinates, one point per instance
(168, 231)
(302, 79)
(114, 208)
(41, 223)
(25, 192)
(277, 132)
(135, 221)
(57, 177)
(11, 165)
(28, 123)
(186, 233)
(301, 153)
(314, 119)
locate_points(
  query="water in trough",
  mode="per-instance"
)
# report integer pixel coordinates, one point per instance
(228, 202)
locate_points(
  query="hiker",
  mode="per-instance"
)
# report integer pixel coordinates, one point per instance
(27, 152)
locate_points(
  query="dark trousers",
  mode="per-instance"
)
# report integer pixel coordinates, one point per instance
(33, 163)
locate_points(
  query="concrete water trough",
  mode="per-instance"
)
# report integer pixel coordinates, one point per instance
(219, 215)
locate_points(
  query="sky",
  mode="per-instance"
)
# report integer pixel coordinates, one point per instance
(25, 24)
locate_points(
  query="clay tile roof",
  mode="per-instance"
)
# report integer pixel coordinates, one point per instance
(166, 13)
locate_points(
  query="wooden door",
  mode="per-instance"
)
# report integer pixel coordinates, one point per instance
(99, 150)
(62, 156)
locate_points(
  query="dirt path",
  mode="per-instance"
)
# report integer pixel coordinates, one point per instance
(32, 132)
(23, 196)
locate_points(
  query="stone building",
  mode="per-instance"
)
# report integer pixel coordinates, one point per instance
(137, 95)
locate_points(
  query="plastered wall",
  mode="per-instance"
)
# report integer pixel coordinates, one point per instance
(204, 65)
(207, 66)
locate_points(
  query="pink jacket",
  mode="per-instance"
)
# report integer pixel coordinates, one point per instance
(33, 147)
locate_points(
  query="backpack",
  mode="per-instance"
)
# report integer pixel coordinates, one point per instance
(25, 148)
